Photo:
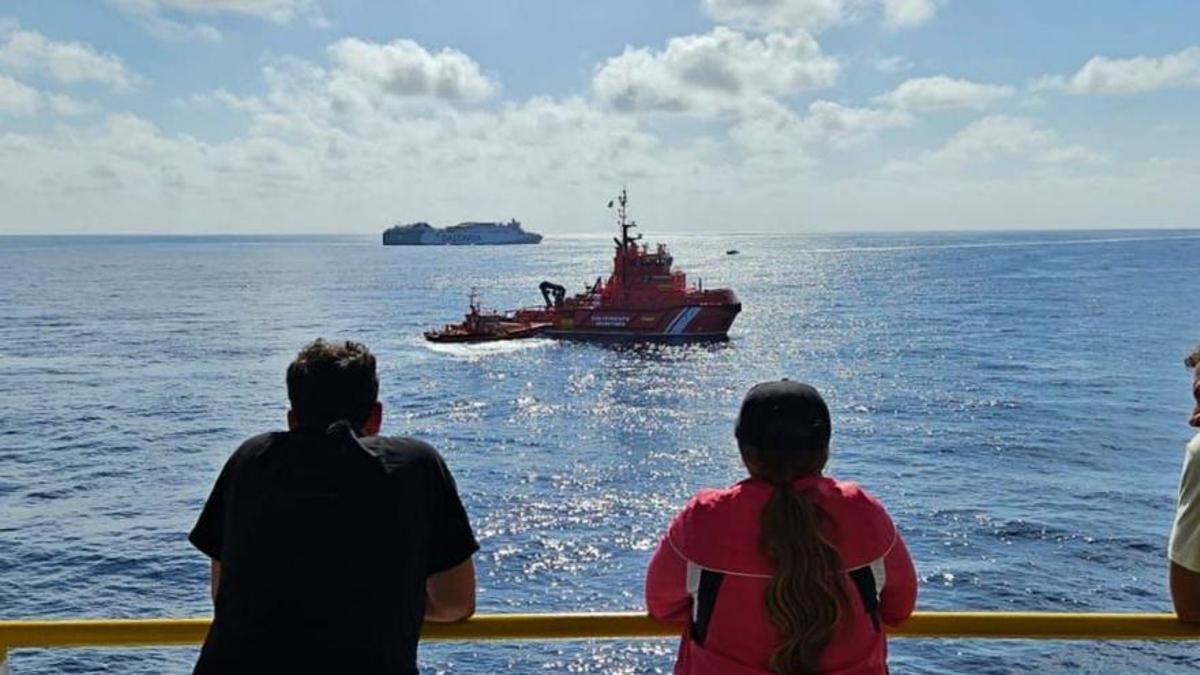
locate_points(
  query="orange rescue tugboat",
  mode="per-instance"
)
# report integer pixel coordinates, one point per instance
(479, 325)
(644, 299)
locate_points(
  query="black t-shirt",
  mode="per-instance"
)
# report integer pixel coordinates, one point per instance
(325, 542)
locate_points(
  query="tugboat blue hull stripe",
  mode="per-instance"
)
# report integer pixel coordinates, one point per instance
(681, 322)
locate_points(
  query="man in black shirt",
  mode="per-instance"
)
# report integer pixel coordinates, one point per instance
(329, 544)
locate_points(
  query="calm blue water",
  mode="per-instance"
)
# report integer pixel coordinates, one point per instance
(1017, 400)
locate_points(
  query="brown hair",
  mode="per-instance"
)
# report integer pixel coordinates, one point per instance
(1193, 359)
(332, 381)
(783, 433)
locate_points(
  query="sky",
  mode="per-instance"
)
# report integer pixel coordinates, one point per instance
(720, 116)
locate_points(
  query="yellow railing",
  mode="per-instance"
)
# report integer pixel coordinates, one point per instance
(1016, 625)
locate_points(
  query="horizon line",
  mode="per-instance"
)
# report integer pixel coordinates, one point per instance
(1134, 228)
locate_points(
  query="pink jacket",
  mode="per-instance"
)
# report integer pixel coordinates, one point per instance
(710, 575)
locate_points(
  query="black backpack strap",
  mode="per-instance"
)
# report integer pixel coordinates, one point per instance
(864, 581)
(704, 599)
(705, 584)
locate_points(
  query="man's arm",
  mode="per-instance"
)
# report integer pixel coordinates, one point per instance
(450, 594)
(1185, 539)
(450, 572)
(208, 534)
(216, 579)
(1185, 593)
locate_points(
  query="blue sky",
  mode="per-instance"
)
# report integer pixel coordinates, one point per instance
(274, 116)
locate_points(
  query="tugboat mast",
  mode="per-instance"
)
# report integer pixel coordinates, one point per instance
(626, 241)
(622, 201)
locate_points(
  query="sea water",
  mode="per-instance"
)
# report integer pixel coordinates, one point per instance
(1017, 400)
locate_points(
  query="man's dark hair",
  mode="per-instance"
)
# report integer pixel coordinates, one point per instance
(1193, 359)
(332, 381)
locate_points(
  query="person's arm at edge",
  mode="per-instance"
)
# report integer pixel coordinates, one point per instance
(1184, 579)
(216, 579)
(667, 598)
(899, 596)
(450, 584)
(1185, 593)
(208, 534)
(450, 594)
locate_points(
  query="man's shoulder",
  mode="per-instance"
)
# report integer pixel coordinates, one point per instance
(1191, 465)
(256, 445)
(401, 452)
(1191, 459)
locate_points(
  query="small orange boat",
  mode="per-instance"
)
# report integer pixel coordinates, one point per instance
(479, 325)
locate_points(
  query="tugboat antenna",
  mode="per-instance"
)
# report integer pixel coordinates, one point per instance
(626, 240)
(626, 225)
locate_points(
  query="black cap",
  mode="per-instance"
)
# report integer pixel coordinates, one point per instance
(783, 415)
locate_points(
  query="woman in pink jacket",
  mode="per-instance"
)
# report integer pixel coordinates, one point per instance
(787, 571)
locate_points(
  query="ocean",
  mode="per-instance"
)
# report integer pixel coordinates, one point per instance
(1017, 400)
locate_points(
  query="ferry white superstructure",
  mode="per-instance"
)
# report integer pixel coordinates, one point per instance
(463, 234)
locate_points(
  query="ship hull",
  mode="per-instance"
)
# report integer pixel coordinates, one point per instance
(491, 334)
(616, 337)
(681, 323)
(443, 238)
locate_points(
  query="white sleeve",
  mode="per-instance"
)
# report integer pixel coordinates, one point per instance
(1185, 536)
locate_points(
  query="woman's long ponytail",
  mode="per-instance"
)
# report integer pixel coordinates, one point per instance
(805, 598)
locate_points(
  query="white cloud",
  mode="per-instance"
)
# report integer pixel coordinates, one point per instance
(776, 140)
(151, 15)
(1153, 193)
(842, 125)
(67, 106)
(66, 62)
(278, 11)
(362, 88)
(20, 100)
(908, 13)
(551, 163)
(770, 15)
(891, 64)
(717, 73)
(1101, 75)
(816, 15)
(545, 161)
(993, 136)
(941, 92)
(17, 98)
(177, 31)
(404, 68)
(1070, 154)
(997, 137)
(1047, 83)
(358, 121)
(225, 98)
(162, 17)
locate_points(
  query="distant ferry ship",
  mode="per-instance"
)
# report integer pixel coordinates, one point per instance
(463, 234)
